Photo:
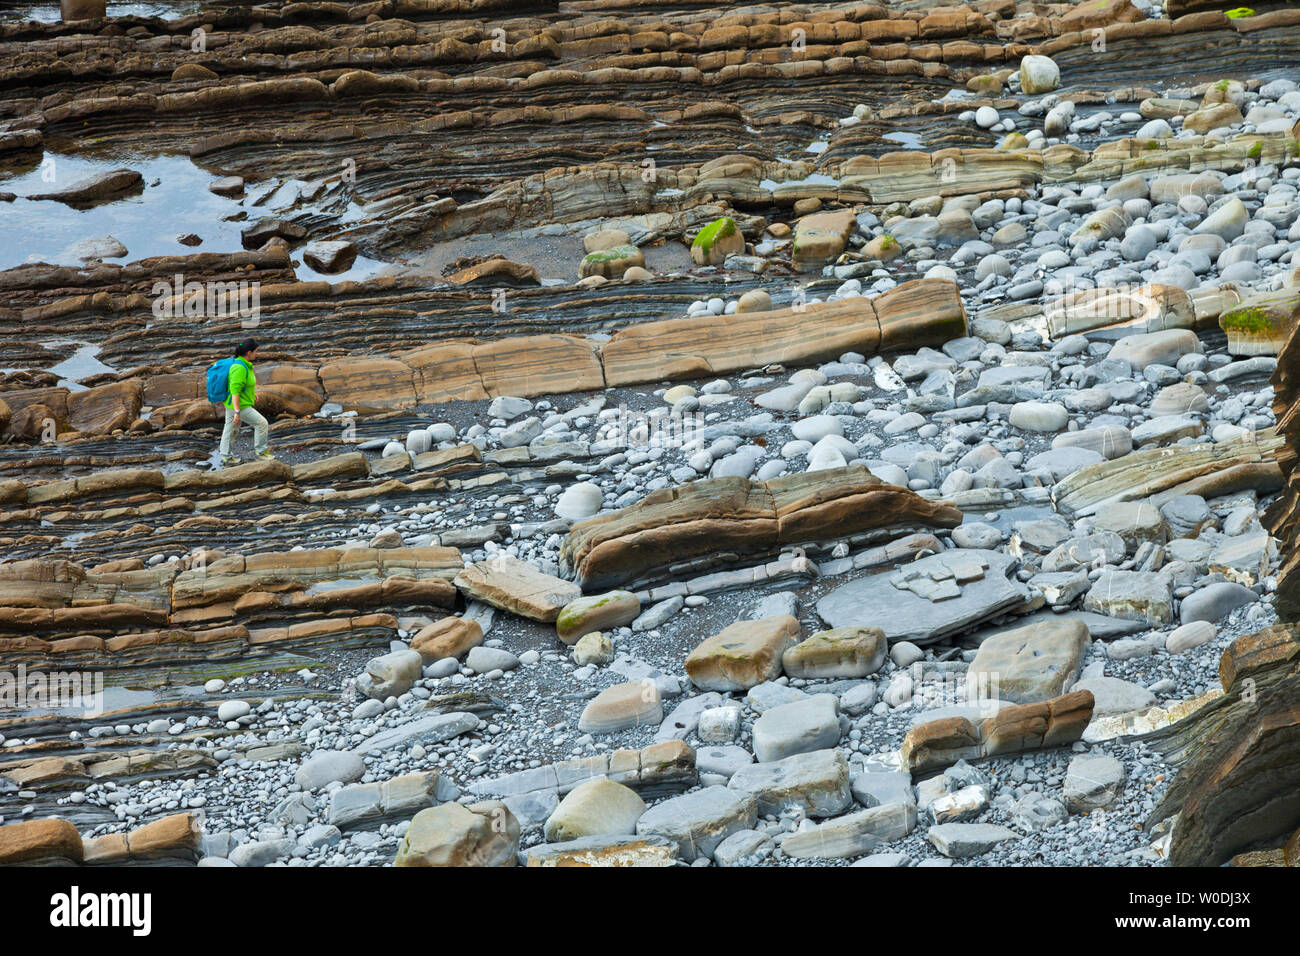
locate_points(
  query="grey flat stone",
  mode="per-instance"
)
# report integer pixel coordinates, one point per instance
(817, 783)
(697, 822)
(874, 789)
(1114, 696)
(723, 760)
(800, 727)
(960, 840)
(432, 729)
(905, 616)
(852, 834)
(1092, 781)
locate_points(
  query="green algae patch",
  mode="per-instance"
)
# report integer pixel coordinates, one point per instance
(718, 229)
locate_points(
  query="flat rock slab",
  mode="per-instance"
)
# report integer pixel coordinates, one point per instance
(1111, 696)
(518, 587)
(960, 840)
(697, 822)
(432, 729)
(800, 727)
(1032, 663)
(604, 851)
(852, 834)
(817, 783)
(904, 615)
(631, 704)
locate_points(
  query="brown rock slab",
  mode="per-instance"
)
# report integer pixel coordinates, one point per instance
(630, 704)
(450, 637)
(518, 587)
(843, 652)
(743, 654)
(1052, 723)
(34, 842)
(732, 515)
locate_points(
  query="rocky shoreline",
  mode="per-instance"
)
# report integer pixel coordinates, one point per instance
(854, 434)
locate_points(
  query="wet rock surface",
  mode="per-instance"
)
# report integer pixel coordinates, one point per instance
(784, 437)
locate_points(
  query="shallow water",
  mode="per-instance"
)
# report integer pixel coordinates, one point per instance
(175, 201)
(49, 12)
(905, 139)
(82, 363)
(813, 179)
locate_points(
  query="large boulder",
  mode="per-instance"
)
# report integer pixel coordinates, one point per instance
(1038, 75)
(599, 612)
(1032, 663)
(716, 241)
(742, 655)
(1262, 322)
(599, 807)
(391, 675)
(480, 834)
(611, 263)
(820, 238)
(449, 637)
(844, 652)
(798, 727)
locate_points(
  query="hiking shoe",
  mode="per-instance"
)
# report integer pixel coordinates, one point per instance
(229, 460)
(266, 455)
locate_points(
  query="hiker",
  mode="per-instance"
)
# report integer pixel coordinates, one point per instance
(240, 383)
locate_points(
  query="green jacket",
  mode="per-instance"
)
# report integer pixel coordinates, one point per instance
(243, 381)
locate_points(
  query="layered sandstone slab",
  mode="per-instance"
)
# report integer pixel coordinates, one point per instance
(736, 517)
(57, 612)
(518, 587)
(1051, 723)
(40, 842)
(1160, 474)
(916, 313)
(1238, 787)
(923, 312)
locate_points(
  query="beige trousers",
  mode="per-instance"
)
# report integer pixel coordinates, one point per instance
(249, 416)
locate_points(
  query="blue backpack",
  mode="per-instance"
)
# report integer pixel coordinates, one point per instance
(219, 381)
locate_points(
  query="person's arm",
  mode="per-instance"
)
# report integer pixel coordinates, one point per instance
(235, 389)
